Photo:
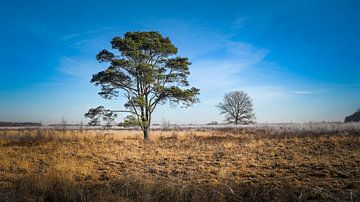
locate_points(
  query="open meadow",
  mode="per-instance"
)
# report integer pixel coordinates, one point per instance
(224, 164)
(179, 101)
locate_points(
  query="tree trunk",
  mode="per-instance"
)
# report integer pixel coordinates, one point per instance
(146, 131)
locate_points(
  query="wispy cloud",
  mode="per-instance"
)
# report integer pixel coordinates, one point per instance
(79, 68)
(238, 23)
(70, 66)
(340, 85)
(223, 73)
(266, 93)
(76, 35)
(194, 39)
(305, 92)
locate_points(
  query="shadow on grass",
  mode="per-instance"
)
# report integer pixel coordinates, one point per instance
(55, 188)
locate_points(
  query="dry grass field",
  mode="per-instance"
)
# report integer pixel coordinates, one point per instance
(187, 165)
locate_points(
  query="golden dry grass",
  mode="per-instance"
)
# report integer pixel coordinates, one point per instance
(219, 165)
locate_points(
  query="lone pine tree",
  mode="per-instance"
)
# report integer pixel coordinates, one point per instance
(147, 72)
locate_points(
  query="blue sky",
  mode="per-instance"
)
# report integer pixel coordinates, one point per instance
(298, 60)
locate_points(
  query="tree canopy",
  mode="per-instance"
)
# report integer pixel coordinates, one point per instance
(355, 117)
(237, 107)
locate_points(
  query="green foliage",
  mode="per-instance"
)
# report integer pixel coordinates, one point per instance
(94, 114)
(355, 117)
(100, 113)
(130, 121)
(147, 74)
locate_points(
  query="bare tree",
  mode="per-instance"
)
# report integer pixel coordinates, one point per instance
(63, 124)
(237, 107)
(81, 127)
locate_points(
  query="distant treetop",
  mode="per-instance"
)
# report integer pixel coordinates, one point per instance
(355, 117)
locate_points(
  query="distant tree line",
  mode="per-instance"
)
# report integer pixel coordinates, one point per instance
(17, 124)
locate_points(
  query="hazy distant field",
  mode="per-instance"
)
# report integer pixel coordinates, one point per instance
(286, 163)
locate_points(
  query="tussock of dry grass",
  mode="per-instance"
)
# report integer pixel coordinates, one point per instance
(218, 165)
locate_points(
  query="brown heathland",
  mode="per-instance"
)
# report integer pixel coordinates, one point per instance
(218, 165)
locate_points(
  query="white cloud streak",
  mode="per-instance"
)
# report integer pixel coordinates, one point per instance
(223, 73)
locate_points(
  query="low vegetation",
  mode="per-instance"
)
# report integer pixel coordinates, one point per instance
(239, 164)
